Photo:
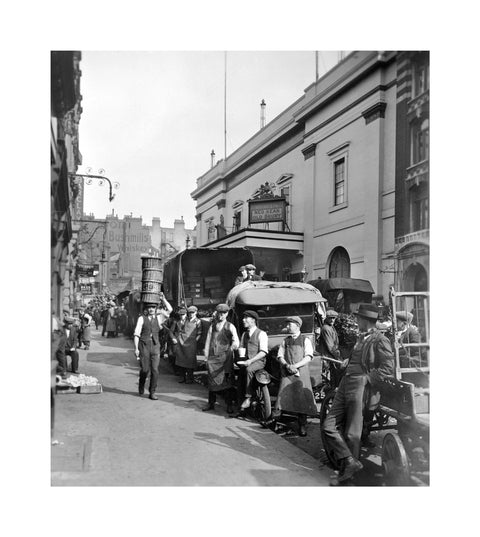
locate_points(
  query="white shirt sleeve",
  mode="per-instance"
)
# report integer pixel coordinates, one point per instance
(281, 350)
(138, 328)
(308, 348)
(263, 341)
(235, 341)
(207, 341)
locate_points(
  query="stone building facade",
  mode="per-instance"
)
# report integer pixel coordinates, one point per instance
(333, 156)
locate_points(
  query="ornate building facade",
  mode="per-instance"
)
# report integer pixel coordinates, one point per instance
(412, 172)
(65, 191)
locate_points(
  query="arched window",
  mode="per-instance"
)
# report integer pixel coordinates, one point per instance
(339, 266)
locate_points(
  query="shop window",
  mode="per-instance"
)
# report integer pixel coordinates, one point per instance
(339, 266)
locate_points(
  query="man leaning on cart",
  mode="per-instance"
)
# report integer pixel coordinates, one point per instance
(371, 361)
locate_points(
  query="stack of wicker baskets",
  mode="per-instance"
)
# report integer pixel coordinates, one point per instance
(151, 280)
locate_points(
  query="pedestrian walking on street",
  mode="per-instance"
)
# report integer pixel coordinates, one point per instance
(187, 332)
(254, 347)
(146, 339)
(111, 324)
(295, 394)
(221, 341)
(371, 361)
(85, 329)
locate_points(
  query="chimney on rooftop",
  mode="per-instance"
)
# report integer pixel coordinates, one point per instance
(262, 113)
(212, 159)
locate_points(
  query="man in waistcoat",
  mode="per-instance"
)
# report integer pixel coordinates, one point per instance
(329, 347)
(371, 361)
(146, 339)
(221, 341)
(295, 394)
(254, 346)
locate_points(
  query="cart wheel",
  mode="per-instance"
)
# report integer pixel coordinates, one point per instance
(395, 461)
(324, 410)
(263, 408)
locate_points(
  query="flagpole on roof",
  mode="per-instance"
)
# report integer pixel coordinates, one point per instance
(225, 110)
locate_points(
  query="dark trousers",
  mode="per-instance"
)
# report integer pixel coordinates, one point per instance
(186, 373)
(247, 374)
(229, 393)
(346, 414)
(74, 357)
(149, 362)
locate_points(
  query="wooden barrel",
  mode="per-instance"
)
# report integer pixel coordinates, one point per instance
(151, 262)
(150, 298)
(151, 286)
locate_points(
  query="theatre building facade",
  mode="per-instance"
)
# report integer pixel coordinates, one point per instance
(312, 193)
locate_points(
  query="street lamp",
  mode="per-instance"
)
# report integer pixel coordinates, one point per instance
(100, 177)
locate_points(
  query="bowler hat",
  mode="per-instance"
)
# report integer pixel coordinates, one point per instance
(222, 308)
(367, 311)
(193, 309)
(332, 313)
(250, 267)
(295, 320)
(250, 313)
(404, 316)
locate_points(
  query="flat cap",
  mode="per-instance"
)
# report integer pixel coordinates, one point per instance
(193, 309)
(332, 313)
(250, 267)
(181, 311)
(250, 313)
(294, 319)
(404, 316)
(69, 320)
(222, 308)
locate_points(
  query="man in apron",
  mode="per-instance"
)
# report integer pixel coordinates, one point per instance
(222, 340)
(295, 394)
(187, 332)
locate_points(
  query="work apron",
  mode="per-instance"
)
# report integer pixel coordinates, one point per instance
(186, 348)
(220, 371)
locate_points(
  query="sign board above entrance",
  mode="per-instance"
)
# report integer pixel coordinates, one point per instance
(267, 210)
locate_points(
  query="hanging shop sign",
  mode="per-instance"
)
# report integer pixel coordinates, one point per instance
(85, 270)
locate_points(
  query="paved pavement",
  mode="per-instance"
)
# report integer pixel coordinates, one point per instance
(118, 438)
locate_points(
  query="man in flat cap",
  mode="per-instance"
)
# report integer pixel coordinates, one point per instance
(295, 394)
(70, 346)
(146, 339)
(407, 333)
(242, 275)
(329, 346)
(186, 331)
(371, 361)
(221, 341)
(254, 347)
(251, 273)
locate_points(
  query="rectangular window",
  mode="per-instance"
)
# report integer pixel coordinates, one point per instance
(420, 214)
(420, 79)
(339, 172)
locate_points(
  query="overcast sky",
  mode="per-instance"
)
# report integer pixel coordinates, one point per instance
(151, 119)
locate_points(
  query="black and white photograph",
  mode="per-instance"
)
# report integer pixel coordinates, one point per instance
(260, 286)
(240, 269)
